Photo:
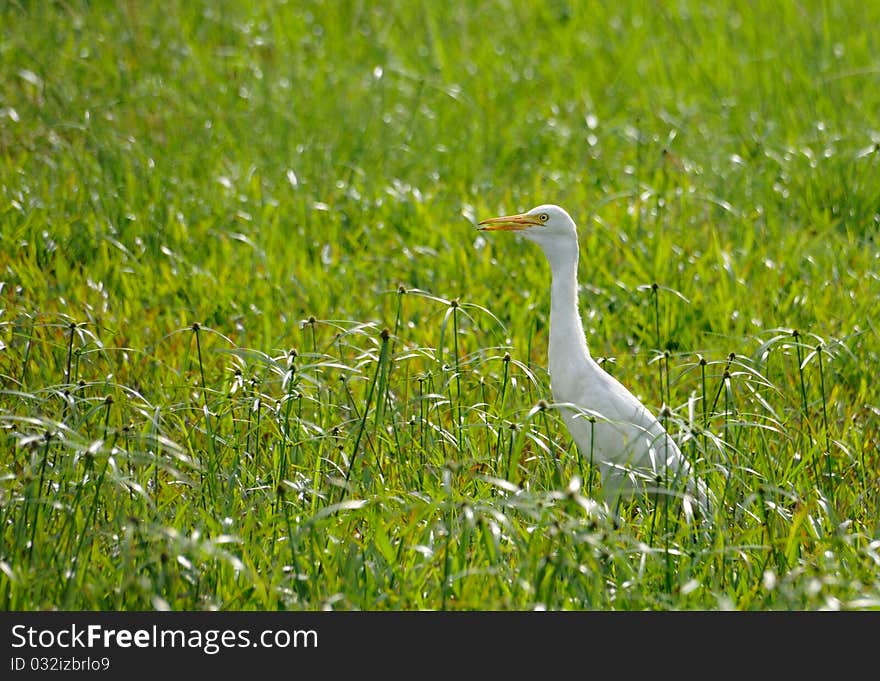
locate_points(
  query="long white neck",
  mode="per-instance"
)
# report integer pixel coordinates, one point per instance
(566, 329)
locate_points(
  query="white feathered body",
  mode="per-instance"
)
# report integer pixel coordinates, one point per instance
(612, 428)
(633, 450)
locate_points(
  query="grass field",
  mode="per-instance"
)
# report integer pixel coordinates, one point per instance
(255, 355)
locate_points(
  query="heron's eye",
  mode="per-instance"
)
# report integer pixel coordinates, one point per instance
(543, 217)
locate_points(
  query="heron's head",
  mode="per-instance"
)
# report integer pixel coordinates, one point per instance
(546, 225)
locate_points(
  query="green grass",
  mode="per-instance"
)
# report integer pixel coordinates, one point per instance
(211, 213)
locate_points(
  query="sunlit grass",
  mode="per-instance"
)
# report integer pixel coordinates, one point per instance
(255, 355)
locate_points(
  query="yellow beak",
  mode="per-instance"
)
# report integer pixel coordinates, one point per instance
(509, 223)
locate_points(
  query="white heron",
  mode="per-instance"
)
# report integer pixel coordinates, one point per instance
(607, 422)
